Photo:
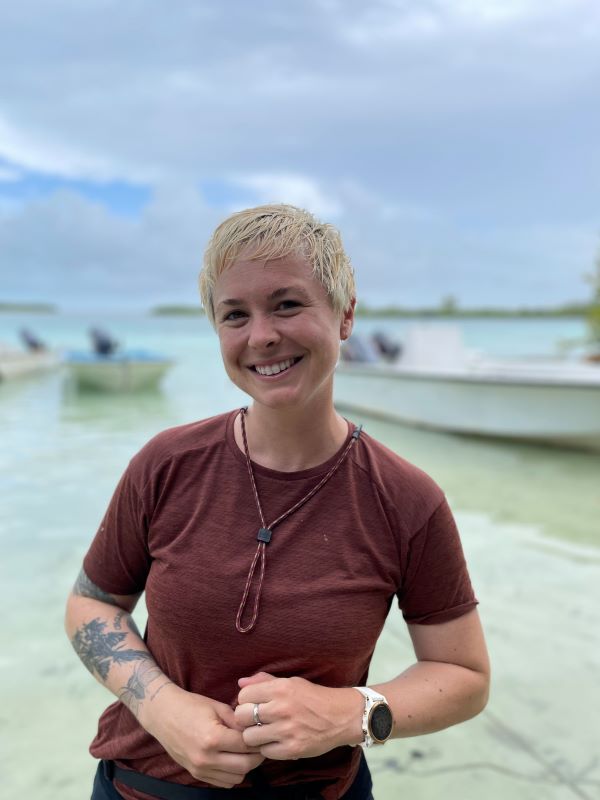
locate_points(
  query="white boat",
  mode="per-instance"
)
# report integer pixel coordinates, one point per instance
(127, 371)
(438, 384)
(18, 363)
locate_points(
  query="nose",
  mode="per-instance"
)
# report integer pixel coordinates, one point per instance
(263, 332)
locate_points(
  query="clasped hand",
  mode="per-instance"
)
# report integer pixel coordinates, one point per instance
(203, 736)
(299, 719)
(219, 745)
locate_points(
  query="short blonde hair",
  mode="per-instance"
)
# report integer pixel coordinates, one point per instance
(275, 231)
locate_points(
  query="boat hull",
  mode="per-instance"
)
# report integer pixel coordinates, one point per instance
(542, 410)
(19, 364)
(117, 375)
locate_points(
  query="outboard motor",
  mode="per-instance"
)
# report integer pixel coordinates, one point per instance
(386, 347)
(31, 341)
(359, 350)
(102, 343)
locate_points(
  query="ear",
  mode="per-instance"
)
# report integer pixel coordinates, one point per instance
(347, 321)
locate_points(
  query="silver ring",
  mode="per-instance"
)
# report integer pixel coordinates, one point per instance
(255, 715)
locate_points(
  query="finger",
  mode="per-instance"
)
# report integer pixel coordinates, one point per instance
(223, 779)
(259, 677)
(258, 692)
(257, 736)
(276, 751)
(227, 716)
(235, 762)
(244, 715)
(232, 719)
(231, 741)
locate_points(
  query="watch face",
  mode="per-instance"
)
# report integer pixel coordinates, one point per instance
(381, 722)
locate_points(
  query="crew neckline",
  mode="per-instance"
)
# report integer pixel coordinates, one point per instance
(259, 469)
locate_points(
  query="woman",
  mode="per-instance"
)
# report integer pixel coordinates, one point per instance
(270, 543)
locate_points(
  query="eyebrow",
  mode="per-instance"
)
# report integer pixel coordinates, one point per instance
(288, 290)
(233, 301)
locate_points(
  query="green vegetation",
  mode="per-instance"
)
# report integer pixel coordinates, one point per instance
(449, 309)
(35, 308)
(592, 314)
(176, 311)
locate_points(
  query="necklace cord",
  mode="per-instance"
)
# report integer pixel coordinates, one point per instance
(264, 534)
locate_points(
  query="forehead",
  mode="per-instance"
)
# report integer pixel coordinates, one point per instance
(247, 277)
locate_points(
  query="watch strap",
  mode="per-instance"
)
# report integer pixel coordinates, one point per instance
(371, 698)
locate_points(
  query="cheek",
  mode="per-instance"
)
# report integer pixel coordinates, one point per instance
(229, 356)
(328, 342)
(227, 343)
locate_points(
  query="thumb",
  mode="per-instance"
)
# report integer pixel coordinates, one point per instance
(259, 677)
(226, 715)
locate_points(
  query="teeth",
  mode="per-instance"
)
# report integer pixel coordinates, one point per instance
(275, 369)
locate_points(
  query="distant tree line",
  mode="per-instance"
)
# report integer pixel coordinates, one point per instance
(447, 308)
(38, 308)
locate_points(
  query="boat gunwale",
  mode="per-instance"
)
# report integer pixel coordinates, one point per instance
(423, 373)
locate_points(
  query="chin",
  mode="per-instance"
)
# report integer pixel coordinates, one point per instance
(275, 403)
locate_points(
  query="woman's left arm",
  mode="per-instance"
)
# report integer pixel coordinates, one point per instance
(448, 684)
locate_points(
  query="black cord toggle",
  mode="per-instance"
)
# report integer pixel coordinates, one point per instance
(264, 535)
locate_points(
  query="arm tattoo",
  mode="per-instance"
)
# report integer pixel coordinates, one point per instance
(130, 623)
(84, 587)
(99, 649)
(134, 693)
(132, 626)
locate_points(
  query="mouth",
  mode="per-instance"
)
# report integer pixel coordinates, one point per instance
(269, 370)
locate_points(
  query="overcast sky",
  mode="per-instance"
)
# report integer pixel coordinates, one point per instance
(455, 143)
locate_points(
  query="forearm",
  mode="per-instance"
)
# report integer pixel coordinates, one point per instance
(301, 719)
(427, 697)
(304, 719)
(198, 733)
(430, 696)
(106, 639)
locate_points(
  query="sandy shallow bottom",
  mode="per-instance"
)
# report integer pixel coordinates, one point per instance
(538, 736)
(540, 604)
(61, 455)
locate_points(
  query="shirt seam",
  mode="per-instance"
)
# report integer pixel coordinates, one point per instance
(169, 459)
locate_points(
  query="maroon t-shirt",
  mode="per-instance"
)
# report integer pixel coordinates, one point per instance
(182, 526)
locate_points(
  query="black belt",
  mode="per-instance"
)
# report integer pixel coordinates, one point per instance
(166, 790)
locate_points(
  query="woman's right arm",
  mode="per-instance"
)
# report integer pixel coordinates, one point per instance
(199, 733)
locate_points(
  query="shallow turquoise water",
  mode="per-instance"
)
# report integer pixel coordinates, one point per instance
(62, 453)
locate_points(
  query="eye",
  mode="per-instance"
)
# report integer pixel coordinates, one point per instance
(288, 305)
(233, 316)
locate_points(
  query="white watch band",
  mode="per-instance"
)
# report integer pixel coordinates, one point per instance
(371, 698)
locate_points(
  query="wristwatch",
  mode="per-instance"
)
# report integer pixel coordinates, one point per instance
(377, 721)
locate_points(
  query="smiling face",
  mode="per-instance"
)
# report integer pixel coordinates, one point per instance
(278, 332)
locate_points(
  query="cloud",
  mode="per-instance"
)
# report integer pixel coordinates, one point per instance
(108, 93)
(441, 135)
(36, 151)
(298, 190)
(436, 21)
(77, 253)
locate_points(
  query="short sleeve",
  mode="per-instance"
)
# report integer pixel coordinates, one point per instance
(118, 560)
(436, 586)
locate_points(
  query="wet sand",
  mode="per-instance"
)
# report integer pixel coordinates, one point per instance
(537, 738)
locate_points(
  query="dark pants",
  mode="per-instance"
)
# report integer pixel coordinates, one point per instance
(104, 789)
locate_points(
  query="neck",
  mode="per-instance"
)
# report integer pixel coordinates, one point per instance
(284, 440)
